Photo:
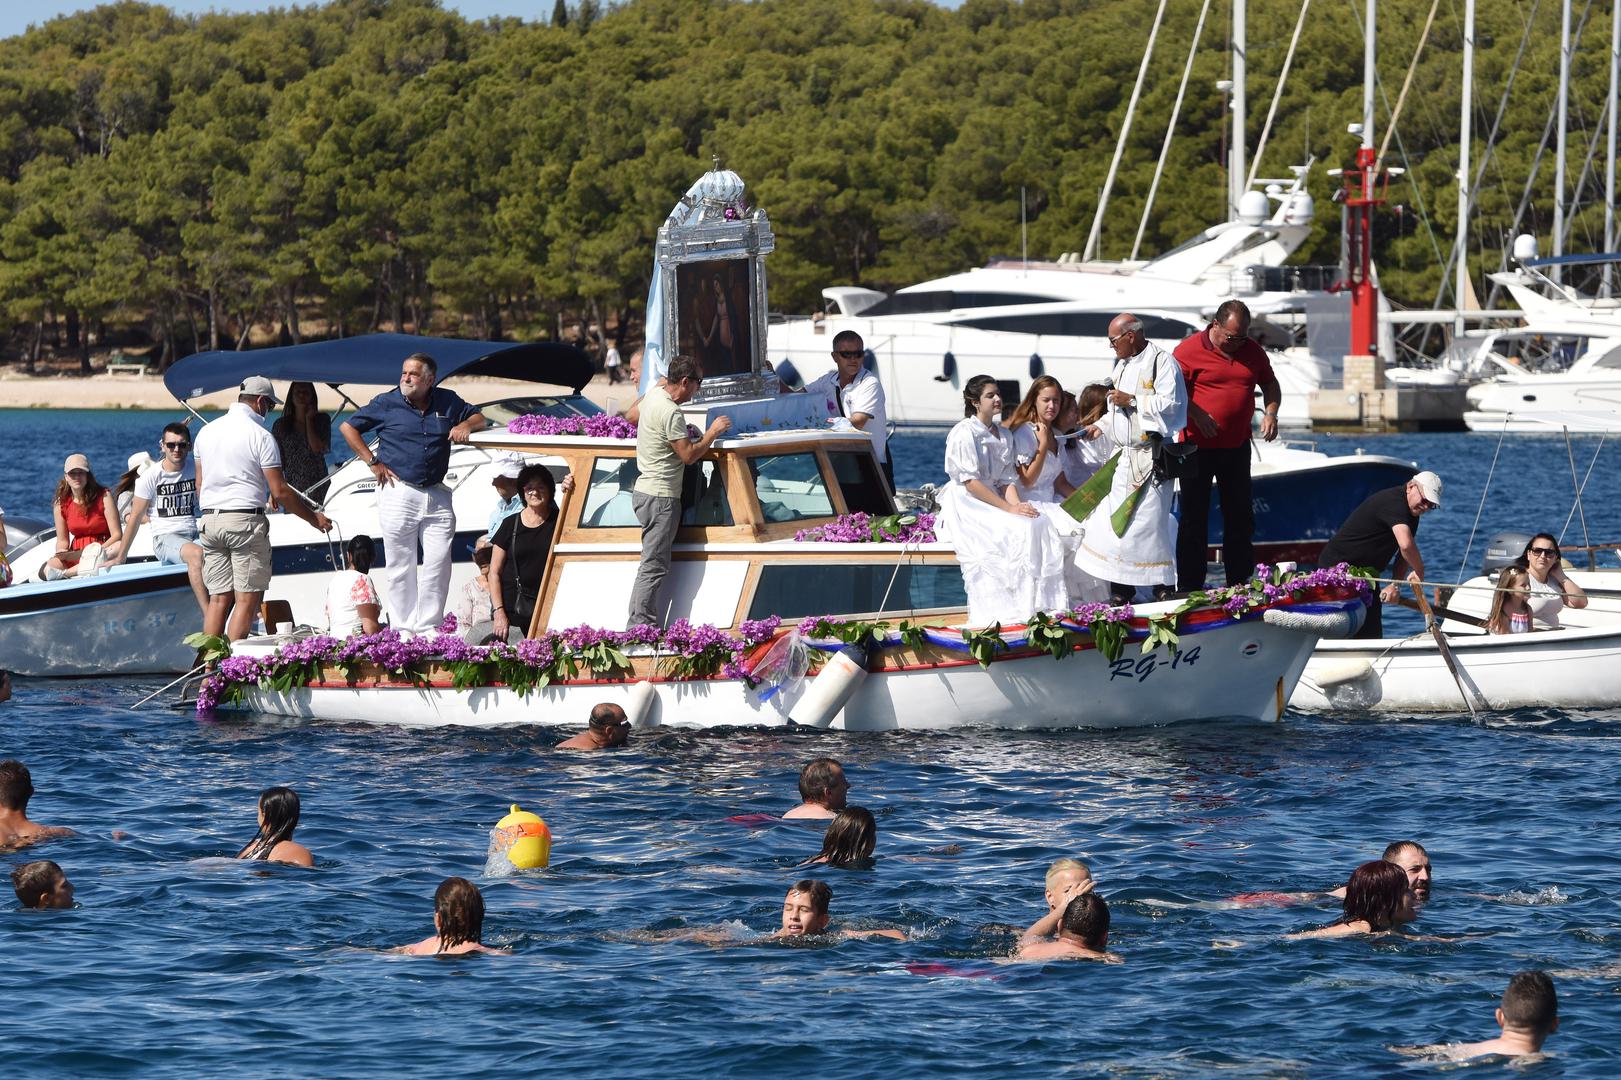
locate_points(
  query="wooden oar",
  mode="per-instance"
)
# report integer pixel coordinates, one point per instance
(1446, 613)
(1441, 644)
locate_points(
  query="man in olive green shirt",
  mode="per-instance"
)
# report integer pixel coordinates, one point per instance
(663, 451)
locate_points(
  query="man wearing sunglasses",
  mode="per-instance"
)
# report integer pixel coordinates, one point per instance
(1385, 526)
(167, 496)
(857, 395)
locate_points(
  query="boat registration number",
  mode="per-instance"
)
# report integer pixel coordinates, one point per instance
(1142, 667)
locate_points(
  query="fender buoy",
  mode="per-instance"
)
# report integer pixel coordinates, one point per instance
(1338, 672)
(948, 368)
(1037, 368)
(640, 705)
(524, 839)
(833, 686)
(1329, 624)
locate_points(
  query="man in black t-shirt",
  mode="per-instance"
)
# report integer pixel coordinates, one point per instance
(1385, 526)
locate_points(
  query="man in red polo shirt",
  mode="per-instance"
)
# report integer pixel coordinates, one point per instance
(1222, 367)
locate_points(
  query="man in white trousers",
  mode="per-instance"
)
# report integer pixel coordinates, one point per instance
(415, 426)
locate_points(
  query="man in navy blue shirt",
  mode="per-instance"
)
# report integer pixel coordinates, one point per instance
(415, 426)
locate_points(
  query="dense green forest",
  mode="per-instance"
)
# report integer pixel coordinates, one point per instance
(177, 183)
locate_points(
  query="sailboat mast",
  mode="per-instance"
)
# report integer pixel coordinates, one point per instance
(1465, 135)
(1609, 168)
(1554, 271)
(1368, 74)
(1235, 153)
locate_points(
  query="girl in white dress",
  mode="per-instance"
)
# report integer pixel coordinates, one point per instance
(1084, 452)
(1041, 481)
(1012, 559)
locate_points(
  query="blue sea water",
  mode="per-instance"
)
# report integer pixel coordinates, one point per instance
(178, 964)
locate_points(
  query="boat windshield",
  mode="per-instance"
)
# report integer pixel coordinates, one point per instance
(506, 410)
(937, 300)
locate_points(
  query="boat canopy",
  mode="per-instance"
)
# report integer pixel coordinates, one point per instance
(374, 359)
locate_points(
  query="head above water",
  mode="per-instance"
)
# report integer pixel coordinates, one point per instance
(608, 722)
(822, 782)
(804, 910)
(41, 886)
(851, 837)
(1062, 874)
(278, 817)
(16, 786)
(1086, 918)
(1414, 862)
(458, 913)
(1530, 1004)
(1378, 894)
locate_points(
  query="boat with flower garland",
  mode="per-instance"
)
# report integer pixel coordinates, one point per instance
(798, 592)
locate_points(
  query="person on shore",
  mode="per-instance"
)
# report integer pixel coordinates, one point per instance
(1222, 366)
(1129, 538)
(278, 817)
(42, 886)
(475, 608)
(1383, 527)
(238, 473)
(857, 395)
(1552, 590)
(458, 923)
(608, 729)
(505, 483)
(849, 841)
(805, 913)
(16, 788)
(519, 551)
(1082, 932)
(167, 496)
(1012, 558)
(303, 433)
(1527, 1015)
(1511, 609)
(415, 422)
(611, 363)
(663, 451)
(822, 790)
(1377, 900)
(352, 606)
(87, 526)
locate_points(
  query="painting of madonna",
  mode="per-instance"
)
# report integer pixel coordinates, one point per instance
(715, 322)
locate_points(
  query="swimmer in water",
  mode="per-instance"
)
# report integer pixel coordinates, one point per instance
(849, 841)
(1083, 933)
(16, 788)
(1528, 1014)
(1415, 863)
(822, 790)
(458, 922)
(608, 729)
(42, 886)
(805, 914)
(278, 817)
(1377, 900)
(1066, 879)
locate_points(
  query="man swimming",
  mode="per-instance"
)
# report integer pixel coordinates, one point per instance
(1414, 862)
(16, 788)
(1083, 933)
(607, 729)
(822, 789)
(42, 886)
(1527, 1015)
(805, 913)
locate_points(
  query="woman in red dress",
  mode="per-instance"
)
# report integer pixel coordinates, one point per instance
(85, 516)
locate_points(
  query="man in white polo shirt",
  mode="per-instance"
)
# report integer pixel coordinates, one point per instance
(238, 470)
(857, 395)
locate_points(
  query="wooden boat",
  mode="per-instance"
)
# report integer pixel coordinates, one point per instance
(738, 569)
(1576, 667)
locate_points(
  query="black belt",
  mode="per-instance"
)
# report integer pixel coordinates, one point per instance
(255, 510)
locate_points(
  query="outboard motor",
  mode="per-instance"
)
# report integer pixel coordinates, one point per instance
(1502, 549)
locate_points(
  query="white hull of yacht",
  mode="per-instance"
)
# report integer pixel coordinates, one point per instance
(129, 621)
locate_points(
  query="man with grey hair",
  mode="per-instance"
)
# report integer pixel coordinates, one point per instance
(1129, 538)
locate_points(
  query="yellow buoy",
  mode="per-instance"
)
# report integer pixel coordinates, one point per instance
(524, 839)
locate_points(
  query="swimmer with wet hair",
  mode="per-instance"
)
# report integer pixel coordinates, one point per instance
(849, 841)
(1083, 933)
(607, 729)
(822, 789)
(1066, 879)
(1527, 1015)
(458, 922)
(805, 913)
(278, 817)
(1377, 900)
(16, 788)
(1415, 863)
(42, 886)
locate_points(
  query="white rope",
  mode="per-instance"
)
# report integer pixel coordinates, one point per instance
(1481, 509)
(1277, 92)
(1125, 133)
(1585, 477)
(1170, 129)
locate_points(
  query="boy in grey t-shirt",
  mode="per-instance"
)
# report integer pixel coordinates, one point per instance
(167, 496)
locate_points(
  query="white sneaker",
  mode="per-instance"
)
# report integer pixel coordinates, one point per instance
(90, 561)
(53, 574)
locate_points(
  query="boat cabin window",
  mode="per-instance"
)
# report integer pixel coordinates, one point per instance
(561, 406)
(797, 591)
(790, 487)
(936, 300)
(1082, 324)
(608, 502)
(862, 483)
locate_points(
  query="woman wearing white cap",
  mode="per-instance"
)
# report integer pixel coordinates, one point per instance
(86, 522)
(1385, 526)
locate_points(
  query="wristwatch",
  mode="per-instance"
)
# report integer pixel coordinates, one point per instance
(373, 462)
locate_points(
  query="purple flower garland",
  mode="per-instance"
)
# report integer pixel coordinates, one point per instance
(864, 528)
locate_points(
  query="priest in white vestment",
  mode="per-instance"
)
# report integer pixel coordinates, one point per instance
(1148, 399)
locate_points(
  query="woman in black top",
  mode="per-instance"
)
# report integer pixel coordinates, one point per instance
(521, 545)
(303, 434)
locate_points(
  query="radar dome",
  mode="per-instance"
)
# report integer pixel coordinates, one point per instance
(1300, 209)
(1525, 247)
(1253, 207)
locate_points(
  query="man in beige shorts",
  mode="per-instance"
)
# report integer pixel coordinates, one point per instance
(238, 470)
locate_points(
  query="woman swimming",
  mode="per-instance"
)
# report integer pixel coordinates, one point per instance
(278, 817)
(849, 841)
(458, 922)
(1377, 899)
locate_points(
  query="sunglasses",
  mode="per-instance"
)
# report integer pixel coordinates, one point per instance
(177, 446)
(1425, 504)
(1121, 337)
(850, 354)
(1546, 553)
(78, 472)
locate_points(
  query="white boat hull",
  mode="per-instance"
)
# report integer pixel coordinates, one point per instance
(128, 622)
(1241, 671)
